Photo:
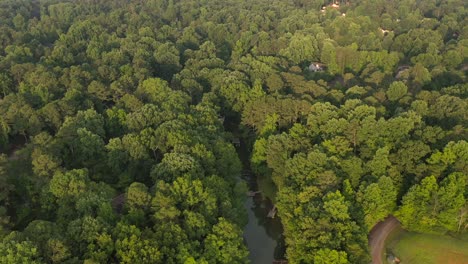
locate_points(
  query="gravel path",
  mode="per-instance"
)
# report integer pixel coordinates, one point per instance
(378, 235)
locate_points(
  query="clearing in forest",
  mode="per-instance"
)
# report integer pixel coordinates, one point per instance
(428, 249)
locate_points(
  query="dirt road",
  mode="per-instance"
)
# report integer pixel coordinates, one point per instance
(378, 235)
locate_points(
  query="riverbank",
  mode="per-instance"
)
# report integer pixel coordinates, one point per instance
(262, 235)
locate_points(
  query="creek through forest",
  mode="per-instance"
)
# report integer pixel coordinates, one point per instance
(263, 235)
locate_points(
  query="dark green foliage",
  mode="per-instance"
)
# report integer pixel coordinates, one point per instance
(111, 121)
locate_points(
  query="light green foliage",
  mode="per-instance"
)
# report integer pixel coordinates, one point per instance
(227, 162)
(116, 122)
(429, 248)
(157, 91)
(133, 249)
(132, 246)
(89, 119)
(43, 163)
(259, 153)
(175, 164)
(328, 56)
(274, 83)
(270, 126)
(137, 196)
(453, 157)
(21, 116)
(69, 184)
(147, 116)
(57, 250)
(396, 91)
(379, 164)
(224, 245)
(15, 250)
(432, 207)
(302, 48)
(378, 200)
(335, 205)
(327, 256)
(379, 144)
(452, 58)
(449, 109)
(420, 74)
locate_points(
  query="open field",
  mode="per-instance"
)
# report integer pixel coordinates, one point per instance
(412, 248)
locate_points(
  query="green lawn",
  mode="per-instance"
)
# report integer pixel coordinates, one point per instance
(412, 248)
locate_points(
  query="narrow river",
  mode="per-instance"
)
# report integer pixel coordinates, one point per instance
(262, 235)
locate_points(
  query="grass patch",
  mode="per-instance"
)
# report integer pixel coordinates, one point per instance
(413, 248)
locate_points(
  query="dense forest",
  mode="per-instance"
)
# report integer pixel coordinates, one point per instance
(113, 125)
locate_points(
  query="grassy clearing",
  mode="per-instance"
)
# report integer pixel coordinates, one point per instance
(414, 248)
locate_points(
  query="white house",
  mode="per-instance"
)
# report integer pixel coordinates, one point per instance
(316, 67)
